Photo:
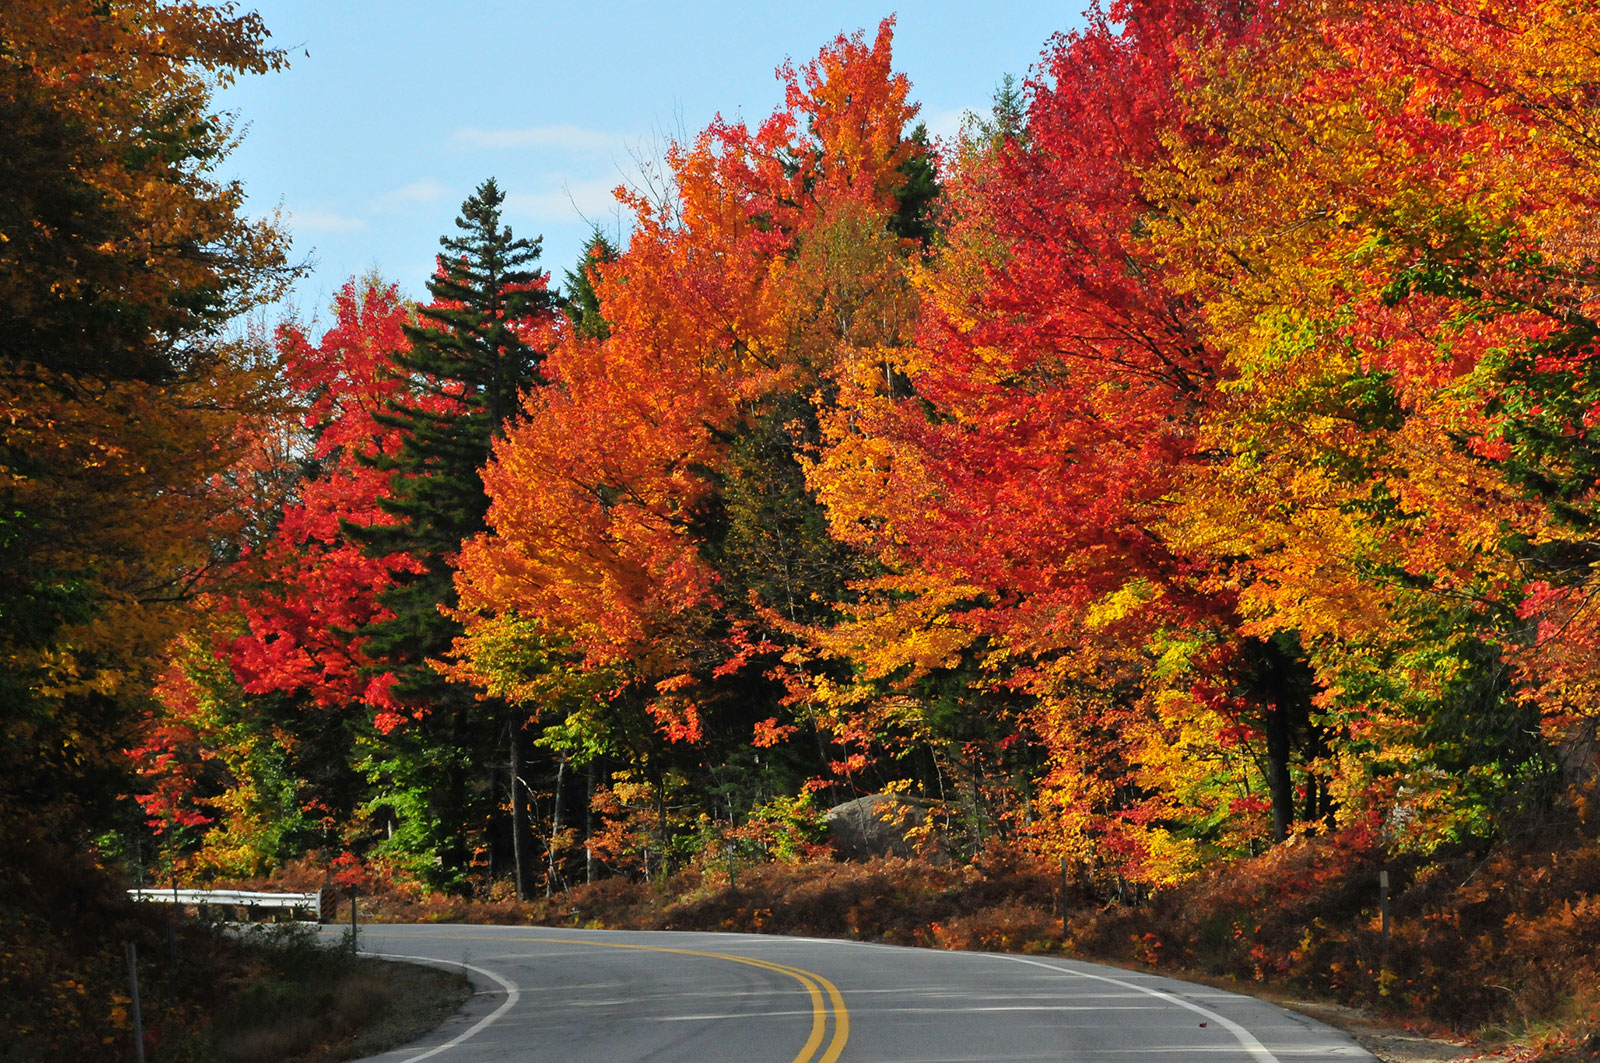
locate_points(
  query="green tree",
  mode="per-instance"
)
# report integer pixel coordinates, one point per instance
(917, 215)
(580, 301)
(477, 346)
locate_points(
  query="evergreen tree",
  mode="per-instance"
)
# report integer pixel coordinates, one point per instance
(1009, 119)
(580, 301)
(917, 218)
(471, 355)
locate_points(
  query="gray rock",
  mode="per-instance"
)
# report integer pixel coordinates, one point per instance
(877, 825)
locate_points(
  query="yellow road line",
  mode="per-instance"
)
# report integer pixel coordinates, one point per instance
(815, 985)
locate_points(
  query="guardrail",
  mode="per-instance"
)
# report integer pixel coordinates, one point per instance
(250, 901)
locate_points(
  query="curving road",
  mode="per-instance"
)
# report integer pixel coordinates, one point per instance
(615, 996)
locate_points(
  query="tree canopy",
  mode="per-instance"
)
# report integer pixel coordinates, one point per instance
(1191, 455)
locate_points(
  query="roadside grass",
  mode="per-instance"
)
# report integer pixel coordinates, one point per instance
(310, 1000)
(208, 994)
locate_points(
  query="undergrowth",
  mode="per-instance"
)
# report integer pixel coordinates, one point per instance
(1500, 944)
(207, 994)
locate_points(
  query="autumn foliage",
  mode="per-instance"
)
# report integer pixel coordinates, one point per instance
(1190, 458)
(320, 587)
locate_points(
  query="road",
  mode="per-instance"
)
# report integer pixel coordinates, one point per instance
(615, 996)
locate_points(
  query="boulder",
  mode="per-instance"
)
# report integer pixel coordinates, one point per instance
(878, 825)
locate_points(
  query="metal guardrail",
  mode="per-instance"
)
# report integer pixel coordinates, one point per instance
(246, 899)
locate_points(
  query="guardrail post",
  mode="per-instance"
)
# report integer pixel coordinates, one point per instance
(133, 986)
(353, 930)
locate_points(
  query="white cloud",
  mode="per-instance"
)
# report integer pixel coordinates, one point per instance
(425, 191)
(589, 199)
(945, 124)
(323, 221)
(562, 137)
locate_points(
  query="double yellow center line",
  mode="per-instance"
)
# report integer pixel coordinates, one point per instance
(825, 996)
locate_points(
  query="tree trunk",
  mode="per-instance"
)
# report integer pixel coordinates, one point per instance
(1283, 686)
(977, 801)
(661, 822)
(555, 829)
(588, 825)
(1319, 804)
(519, 816)
(455, 849)
(1279, 783)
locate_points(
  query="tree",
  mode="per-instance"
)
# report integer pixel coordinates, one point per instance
(121, 403)
(1017, 463)
(1383, 243)
(580, 301)
(476, 349)
(652, 504)
(313, 587)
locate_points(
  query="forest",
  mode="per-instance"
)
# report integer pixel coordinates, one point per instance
(1194, 457)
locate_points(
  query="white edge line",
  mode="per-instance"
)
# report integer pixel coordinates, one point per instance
(1246, 1039)
(513, 994)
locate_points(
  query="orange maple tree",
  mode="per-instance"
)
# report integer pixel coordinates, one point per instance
(603, 495)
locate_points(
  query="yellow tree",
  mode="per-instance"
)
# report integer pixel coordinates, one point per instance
(1377, 204)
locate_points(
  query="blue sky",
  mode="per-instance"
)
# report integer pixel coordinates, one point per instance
(393, 111)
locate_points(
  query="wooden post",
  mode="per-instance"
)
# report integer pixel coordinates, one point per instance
(1383, 901)
(353, 929)
(172, 936)
(172, 953)
(133, 987)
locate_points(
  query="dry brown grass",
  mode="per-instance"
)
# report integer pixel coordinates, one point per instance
(206, 993)
(347, 1010)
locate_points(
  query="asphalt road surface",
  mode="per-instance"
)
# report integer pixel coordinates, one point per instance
(613, 996)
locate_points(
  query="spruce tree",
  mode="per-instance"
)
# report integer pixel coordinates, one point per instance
(580, 301)
(470, 357)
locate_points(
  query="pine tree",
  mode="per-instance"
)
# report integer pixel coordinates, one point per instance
(917, 215)
(580, 300)
(1009, 119)
(472, 354)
